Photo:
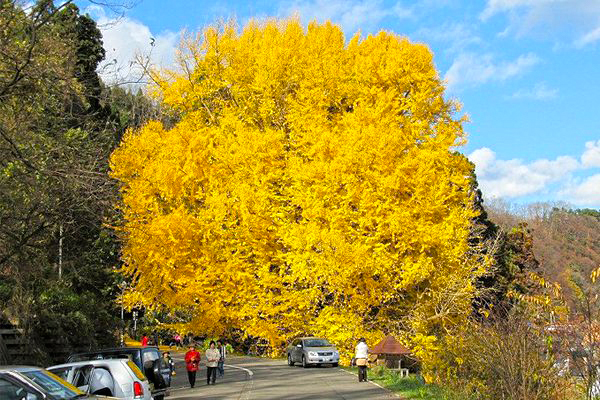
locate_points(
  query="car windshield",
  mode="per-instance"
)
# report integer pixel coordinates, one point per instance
(53, 385)
(317, 343)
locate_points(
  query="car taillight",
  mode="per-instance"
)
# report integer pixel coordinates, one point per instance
(138, 389)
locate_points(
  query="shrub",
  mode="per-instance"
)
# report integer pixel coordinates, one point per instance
(511, 359)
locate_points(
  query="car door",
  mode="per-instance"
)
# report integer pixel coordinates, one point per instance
(298, 351)
(81, 376)
(148, 359)
(292, 349)
(156, 369)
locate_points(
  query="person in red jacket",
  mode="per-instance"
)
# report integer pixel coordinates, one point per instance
(144, 340)
(192, 359)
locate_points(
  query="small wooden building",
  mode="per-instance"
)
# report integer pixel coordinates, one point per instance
(390, 352)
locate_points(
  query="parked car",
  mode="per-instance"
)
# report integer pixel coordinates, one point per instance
(312, 351)
(33, 383)
(119, 378)
(148, 359)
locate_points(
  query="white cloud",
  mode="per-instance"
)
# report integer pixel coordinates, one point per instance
(484, 159)
(539, 92)
(350, 14)
(591, 156)
(579, 20)
(469, 69)
(585, 193)
(124, 39)
(515, 178)
(588, 38)
(563, 178)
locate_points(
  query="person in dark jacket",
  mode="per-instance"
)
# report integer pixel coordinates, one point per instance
(169, 362)
(222, 355)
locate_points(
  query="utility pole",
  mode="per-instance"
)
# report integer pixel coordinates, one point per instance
(123, 285)
(60, 250)
(135, 316)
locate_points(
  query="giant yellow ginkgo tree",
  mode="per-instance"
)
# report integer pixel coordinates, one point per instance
(310, 186)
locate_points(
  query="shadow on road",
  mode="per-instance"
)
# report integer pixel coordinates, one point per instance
(275, 380)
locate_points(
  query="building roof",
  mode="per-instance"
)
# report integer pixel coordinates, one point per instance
(389, 345)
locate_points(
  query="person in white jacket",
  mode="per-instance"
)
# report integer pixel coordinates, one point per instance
(361, 356)
(212, 361)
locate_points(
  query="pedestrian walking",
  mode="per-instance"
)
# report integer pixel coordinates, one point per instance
(178, 343)
(155, 338)
(222, 355)
(169, 362)
(144, 340)
(361, 356)
(212, 361)
(192, 361)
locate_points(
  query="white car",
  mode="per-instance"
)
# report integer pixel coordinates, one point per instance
(33, 383)
(119, 378)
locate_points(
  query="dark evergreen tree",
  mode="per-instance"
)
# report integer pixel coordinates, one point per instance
(58, 127)
(513, 257)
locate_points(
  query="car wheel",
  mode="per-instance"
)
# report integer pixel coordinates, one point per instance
(304, 365)
(290, 362)
(334, 364)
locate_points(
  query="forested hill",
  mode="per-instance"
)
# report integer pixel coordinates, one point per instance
(564, 240)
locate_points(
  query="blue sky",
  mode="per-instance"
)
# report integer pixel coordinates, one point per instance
(526, 71)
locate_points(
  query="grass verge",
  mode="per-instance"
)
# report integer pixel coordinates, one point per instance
(412, 387)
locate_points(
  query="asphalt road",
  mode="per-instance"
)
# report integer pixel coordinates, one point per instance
(257, 378)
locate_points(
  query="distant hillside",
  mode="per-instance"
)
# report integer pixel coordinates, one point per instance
(563, 238)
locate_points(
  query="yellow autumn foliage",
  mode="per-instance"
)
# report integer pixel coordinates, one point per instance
(310, 186)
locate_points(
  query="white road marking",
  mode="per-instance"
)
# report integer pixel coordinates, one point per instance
(249, 372)
(372, 383)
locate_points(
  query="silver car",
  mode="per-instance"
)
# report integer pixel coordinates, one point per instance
(312, 351)
(33, 383)
(119, 378)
